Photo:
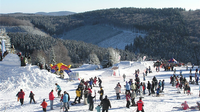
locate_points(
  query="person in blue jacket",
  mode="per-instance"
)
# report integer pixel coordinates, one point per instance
(98, 108)
(65, 101)
(58, 89)
(127, 86)
(158, 91)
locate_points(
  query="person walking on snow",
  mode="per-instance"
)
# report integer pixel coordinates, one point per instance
(101, 92)
(118, 91)
(91, 102)
(51, 98)
(65, 101)
(105, 104)
(133, 95)
(21, 95)
(128, 99)
(58, 89)
(124, 77)
(98, 108)
(127, 86)
(31, 96)
(140, 105)
(44, 105)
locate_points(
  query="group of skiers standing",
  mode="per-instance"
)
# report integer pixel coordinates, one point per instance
(85, 89)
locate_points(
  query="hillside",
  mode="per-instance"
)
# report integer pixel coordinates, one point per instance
(162, 33)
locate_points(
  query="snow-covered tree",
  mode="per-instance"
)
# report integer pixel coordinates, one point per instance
(114, 56)
(93, 59)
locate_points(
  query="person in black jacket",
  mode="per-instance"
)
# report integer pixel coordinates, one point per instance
(105, 104)
(91, 102)
(31, 96)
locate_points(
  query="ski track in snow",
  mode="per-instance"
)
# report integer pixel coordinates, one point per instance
(13, 77)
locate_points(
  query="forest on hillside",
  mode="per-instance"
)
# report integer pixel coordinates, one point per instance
(172, 32)
(51, 51)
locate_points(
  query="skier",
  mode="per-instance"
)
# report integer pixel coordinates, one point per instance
(58, 89)
(185, 106)
(105, 104)
(44, 105)
(140, 105)
(21, 95)
(51, 98)
(31, 96)
(143, 76)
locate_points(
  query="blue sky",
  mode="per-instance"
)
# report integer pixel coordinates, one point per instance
(32, 6)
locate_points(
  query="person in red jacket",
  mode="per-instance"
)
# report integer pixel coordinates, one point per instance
(140, 105)
(44, 105)
(185, 105)
(51, 98)
(21, 95)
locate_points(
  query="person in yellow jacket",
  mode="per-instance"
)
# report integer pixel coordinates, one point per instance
(78, 95)
(101, 92)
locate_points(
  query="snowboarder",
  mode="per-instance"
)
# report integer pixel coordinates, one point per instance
(21, 95)
(44, 105)
(105, 104)
(51, 98)
(140, 105)
(31, 96)
(185, 106)
(78, 95)
(58, 89)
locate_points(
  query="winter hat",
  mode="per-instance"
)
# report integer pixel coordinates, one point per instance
(43, 99)
(106, 97)
(31, 91)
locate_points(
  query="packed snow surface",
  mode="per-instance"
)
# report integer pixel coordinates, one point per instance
(13, 77)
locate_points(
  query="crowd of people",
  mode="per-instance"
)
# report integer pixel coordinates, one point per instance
(133, 88)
